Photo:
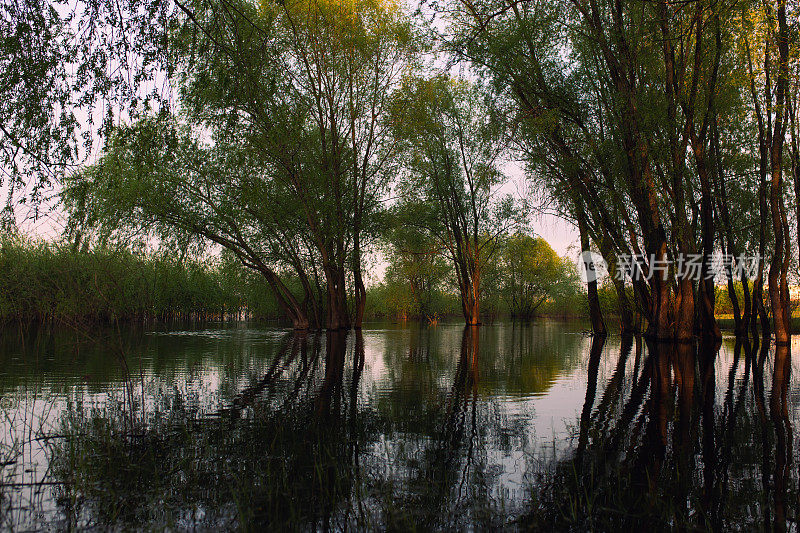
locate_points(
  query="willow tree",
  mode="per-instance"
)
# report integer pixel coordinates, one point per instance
(531, 273)
(621, 128)
(449, 188)
(67, 69)
(308, 83)
(768, 70)
(156, 183)
(302, 87)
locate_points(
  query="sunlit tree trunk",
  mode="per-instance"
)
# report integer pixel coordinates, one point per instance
(778, 287)
(469, 286)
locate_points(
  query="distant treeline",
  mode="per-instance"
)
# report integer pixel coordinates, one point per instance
(54, 283)
(389, 301)
(46, 282)
(525, 278)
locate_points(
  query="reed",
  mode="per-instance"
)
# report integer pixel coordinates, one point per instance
(46, 282)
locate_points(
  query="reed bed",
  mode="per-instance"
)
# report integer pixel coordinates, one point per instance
(45, 282)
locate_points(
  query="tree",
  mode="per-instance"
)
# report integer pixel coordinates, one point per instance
(416, 263)
(156, 181)
(532, 273)
(773, 119)
(299, 90)
(622, 129)
(449, 188)
(68, 71)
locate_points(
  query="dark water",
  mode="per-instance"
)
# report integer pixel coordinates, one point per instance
(401, 427)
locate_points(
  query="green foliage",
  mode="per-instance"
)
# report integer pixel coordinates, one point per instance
(68, 71)
(450, 190)
(532, 275)
(392, 299)
(526, 279)
(453, 152)
(417, 272)
(46, 282)
(280, 152)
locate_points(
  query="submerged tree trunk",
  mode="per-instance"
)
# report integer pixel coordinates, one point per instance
(360, 293)
(777, 272)
(468, 274)
(659, 327)
(778, 287)
(293, 310)
(708, 324)
(337, 315)
(595, 312)
(471, 300)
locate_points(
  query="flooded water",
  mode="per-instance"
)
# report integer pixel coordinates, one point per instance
(397, 427)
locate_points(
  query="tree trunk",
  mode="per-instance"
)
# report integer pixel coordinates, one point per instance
(293, 310)
(469, 279)
(659, 326)
(758, 311)
(337, 316)
(708, 324)
(737, 317)
(595, 312)
(778, 286)
(473, 305)
(309, 299)
(777, 272)
(626, 324)
(360, 292)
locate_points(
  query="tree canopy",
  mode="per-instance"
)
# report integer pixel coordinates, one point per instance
(280, 152)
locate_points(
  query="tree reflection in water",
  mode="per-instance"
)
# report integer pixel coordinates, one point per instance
(665, 435)
(284, 453)
(673, 458)
(296, 448)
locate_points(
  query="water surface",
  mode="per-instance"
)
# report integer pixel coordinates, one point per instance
(397, 427)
